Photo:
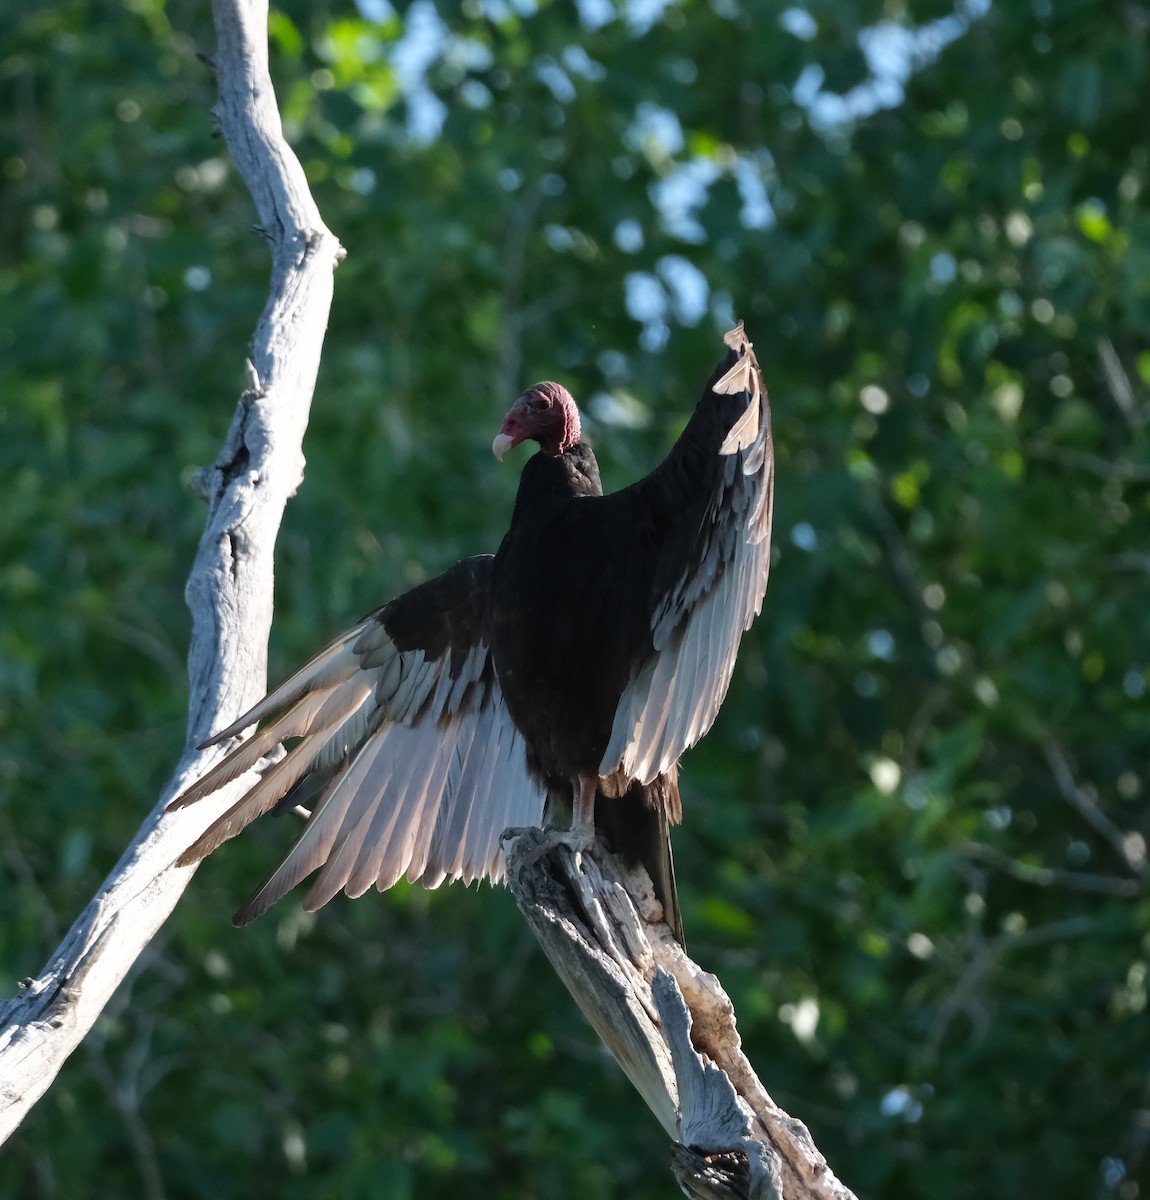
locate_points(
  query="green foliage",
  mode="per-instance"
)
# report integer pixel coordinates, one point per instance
(951, 299)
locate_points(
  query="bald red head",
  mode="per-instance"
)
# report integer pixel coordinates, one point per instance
(544, 413)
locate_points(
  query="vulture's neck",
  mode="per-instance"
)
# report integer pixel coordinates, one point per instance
(572, 473)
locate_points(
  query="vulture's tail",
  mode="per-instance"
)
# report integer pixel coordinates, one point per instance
(637, 826)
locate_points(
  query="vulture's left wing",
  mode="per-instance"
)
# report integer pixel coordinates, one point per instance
(405, 733)
(703, 519)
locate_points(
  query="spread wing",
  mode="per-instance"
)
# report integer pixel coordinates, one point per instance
(405, 734)
(704, 515)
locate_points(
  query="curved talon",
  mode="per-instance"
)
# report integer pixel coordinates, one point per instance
(513, 832)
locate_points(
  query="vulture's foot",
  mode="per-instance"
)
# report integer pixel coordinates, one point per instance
(577, 839)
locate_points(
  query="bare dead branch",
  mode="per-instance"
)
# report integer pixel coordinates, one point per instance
(1118, 384)
(230, 588)
(669, 1024)
(1078, 881)
(1130, 847)
(1094, 464)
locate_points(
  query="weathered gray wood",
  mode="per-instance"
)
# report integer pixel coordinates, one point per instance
(668, 1023)
(230, 589)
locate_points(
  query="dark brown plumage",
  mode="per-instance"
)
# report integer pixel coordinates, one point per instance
(562, 678)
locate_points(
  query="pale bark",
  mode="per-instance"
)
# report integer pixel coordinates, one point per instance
(230, 588)
(669, 1024)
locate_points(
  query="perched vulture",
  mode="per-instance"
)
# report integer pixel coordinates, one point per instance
(561, 678)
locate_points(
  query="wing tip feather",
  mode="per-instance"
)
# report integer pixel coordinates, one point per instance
(190, 857)
(736, 338)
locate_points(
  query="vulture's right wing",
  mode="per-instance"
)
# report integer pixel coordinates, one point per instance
(404, 730)
(703, 523)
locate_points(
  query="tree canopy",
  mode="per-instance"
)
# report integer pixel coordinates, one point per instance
(914, 847)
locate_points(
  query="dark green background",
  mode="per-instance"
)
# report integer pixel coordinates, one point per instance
(959, 602)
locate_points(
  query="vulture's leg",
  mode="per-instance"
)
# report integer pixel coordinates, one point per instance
(582, 831)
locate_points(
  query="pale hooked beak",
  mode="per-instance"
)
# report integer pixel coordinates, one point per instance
(503, 442)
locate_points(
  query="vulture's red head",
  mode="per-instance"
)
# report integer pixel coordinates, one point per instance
(545, 413)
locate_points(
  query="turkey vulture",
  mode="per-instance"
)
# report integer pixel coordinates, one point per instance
(563, 676)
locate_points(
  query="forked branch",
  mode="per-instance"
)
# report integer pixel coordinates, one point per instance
(230, 588)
